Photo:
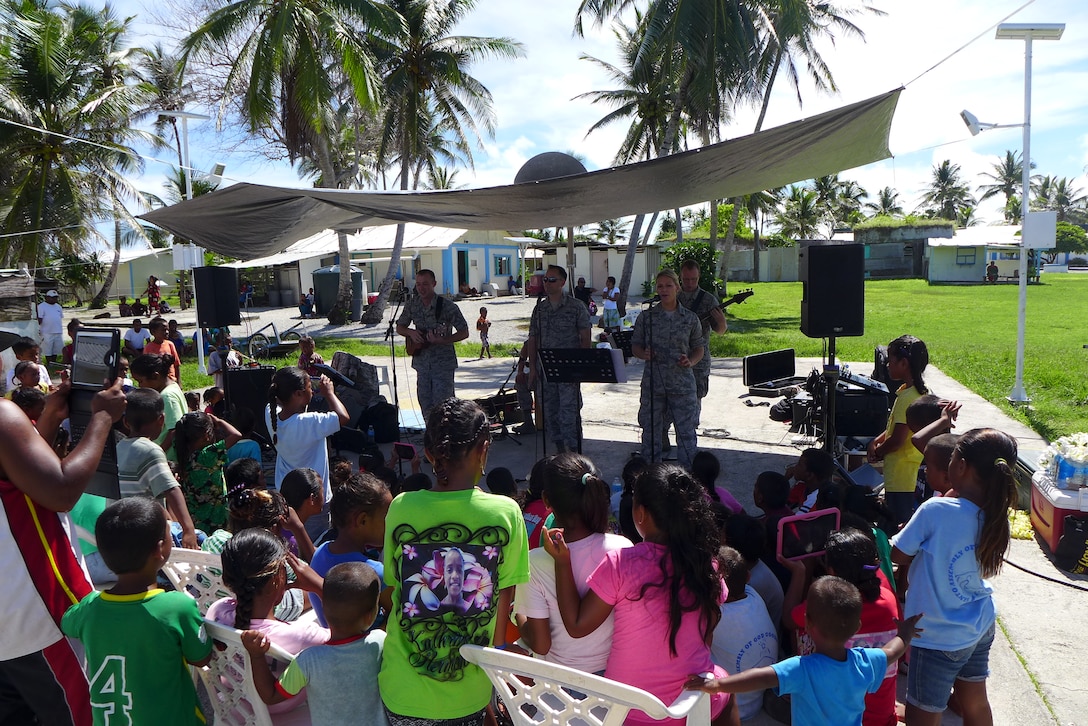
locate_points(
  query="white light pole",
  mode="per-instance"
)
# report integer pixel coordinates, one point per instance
(187, 171)
(1026, 32)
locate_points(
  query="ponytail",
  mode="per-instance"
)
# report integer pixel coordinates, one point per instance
(992, 455)
(576, 492)
(251, 558)
(851, 554)
(917, 356)
(189, 428)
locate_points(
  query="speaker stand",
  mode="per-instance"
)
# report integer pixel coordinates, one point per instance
(831, 384)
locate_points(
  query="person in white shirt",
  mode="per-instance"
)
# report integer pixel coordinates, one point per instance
(51, 326)
(135, 338)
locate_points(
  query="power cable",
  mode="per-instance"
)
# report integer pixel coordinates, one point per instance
(1048, 578)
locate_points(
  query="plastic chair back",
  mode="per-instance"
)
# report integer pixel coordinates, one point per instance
(198, 574)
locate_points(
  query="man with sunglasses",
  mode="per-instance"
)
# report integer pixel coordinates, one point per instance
(558, 321)
(438, 325)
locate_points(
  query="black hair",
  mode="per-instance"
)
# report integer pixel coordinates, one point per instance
(746, 535)
(23, 344)
(128, 532)
(992, 455)
(251, 558)
(386, 474)
(852, 554)
(190, 427)
(298, 485)
(243, 473)
(246, 508)
(631, 472)
(23, 366)
(943, 445)
(339, 471)
(285, 383)
(212, 392)
(28, 399)
(142, 406)
(834, 606)
(819, 462)
(500, 480)
(923, 411)
(536, 482)
(192, 400)
(149, 365)
(415, 483)
(454, 428)
(362, 492)
(680, 511)
(773, 488)
(733, 568)
(560, 272)
(350, 587)
(705, 467)
(576, 492)
(916, 355)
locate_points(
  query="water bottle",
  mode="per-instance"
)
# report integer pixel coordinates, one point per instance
(370, 432)
(617, 486)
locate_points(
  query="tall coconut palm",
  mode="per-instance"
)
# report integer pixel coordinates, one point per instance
(163, 72)
(947, 192)
(801, 216)
(1005, 177)
(1058, 194)
(290, 60)
(55, 76)
(427, 85)
(886, 204)
(610, 230)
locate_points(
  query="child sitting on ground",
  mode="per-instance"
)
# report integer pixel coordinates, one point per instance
(812, 471)
(829, 685)
(358, 509)
(745, 637)
(341, 676)
(705, 467)
(212, 398)
(138, 638)
(192, 401)
(246, 448)
(745, 534)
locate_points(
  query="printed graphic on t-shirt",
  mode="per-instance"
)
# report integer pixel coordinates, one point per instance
(448, 578)
(963, 576)
(861, 640)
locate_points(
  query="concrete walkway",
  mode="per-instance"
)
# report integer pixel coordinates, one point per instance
(1039, 660)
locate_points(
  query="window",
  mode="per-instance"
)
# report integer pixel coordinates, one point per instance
(502, 265)
(965, 256)
(1008, 255)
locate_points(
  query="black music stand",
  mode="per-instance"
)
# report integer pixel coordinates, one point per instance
(582, 365)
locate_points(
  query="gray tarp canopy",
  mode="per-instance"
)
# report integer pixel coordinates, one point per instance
(251, 220)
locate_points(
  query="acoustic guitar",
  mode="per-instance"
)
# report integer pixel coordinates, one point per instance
(413, 348)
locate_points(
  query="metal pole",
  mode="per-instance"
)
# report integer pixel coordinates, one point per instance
(201, 368)
(1018, 394)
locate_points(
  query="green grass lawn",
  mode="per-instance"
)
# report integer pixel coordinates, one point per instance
(970, 332)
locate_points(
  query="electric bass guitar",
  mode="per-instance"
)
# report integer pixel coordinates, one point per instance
(738, 298)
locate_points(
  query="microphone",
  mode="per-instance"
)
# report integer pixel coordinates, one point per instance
(654, 300)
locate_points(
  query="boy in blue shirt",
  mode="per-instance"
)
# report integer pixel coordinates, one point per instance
(829, 685)
(341, 677)
(137, 637)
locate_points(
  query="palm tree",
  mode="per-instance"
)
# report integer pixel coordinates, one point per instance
(946, 192)
(427, 86)
(57, 74)
(291, 58)
(164, 72)
(610, 230)
(1005, 178)
(1058, 194)
(442, 177)
(801, 215)
(886, 204)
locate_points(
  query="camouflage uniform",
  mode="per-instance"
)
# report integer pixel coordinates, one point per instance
(560, 327)
(668, 391)
(701, 303)
(435, 365)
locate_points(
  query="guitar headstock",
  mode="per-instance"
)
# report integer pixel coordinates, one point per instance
(740, 297)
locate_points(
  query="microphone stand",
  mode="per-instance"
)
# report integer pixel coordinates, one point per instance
(392, 338)
(654, 439)
(542, 399)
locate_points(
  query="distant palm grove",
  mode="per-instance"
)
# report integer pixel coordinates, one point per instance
(380, 94)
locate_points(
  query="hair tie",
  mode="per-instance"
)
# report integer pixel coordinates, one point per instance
(237, 489)
(870, 568)
(1000, 462)
(585, 478)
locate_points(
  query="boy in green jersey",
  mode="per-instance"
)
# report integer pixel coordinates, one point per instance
(138, 638)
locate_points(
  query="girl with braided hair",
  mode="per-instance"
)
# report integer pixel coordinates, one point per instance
(950, 545)
(299, 434)
(907, 359)
(665, 592)
(255, 564)
(453, 555)
(579, 499)
(202, 456)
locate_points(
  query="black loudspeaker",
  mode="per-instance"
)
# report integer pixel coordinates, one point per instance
(248, 388)
(833, 297)
(216, 296)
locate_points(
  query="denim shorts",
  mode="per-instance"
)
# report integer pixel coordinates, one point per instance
(933, 672)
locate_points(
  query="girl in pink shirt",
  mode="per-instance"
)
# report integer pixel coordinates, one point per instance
(664, 593)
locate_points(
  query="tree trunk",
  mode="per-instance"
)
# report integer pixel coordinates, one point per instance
(102, 298)
(629, 264)
(375, 312)
(679, 225)
(713, 223)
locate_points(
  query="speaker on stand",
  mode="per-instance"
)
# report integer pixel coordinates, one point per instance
(216, 297)
(832, 305)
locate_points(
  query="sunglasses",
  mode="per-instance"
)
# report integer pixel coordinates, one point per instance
(551, 279)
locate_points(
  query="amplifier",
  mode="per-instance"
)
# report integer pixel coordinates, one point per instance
(859, 412)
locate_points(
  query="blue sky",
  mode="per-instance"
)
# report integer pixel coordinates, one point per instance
(536, 113)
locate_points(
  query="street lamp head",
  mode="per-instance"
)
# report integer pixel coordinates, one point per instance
(1035, 31)
(972, 122)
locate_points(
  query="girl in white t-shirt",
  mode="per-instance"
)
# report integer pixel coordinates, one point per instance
(579, 498)
(298, 434)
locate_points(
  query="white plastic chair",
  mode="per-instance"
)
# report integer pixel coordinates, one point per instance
(198, 574)
(537, 692)
(229, 680)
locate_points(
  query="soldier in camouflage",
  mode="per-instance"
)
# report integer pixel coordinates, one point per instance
(559, 321)
(669, 338)
(711, 317)
(438, 325)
